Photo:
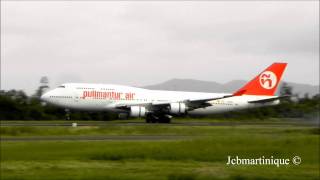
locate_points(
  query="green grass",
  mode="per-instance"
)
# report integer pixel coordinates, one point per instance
(147, 129)
(202, 156)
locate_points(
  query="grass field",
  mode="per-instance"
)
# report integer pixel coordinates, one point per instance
(201, 155)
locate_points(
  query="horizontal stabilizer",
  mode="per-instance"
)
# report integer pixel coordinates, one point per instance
(268, 99)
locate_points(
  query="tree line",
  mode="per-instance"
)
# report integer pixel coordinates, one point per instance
(16, 105)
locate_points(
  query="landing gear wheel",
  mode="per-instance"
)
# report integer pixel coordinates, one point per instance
(167, 120)
(67, 116)
(149, 118)
(164, 119)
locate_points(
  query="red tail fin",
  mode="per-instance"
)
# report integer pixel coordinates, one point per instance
(265, 83)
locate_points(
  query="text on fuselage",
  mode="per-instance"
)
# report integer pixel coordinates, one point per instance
(108, 95)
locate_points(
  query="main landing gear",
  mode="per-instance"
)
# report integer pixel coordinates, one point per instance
(67, 115)
(151, 118)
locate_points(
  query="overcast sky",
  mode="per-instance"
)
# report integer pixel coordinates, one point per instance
(142, 43)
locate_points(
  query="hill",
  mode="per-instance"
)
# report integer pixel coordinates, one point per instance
(208, 86)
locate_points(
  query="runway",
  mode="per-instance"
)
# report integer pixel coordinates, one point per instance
(96, 138)
(119, 124)
(101, 123)
(135, 137)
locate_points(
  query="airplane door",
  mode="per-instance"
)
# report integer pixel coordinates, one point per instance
(76, 97)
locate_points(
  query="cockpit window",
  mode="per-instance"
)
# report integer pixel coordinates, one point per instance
(61, 87)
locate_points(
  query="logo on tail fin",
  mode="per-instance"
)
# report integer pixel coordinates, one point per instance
(268, 80)
(265, 83)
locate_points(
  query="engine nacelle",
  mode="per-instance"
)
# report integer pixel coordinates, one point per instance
(137, 111)
(178, 108)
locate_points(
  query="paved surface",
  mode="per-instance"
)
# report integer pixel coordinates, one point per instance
(99, 123)
(125, 137)
(95, 138)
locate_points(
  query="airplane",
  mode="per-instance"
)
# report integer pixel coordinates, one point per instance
(158, 106)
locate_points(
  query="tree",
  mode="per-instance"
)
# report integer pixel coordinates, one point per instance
(286, 90)
(44, 85)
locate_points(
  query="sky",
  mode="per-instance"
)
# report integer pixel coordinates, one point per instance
(142, 43)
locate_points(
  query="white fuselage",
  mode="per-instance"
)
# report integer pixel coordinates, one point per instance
(101, 97)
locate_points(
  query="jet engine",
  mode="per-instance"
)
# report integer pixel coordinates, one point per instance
(137, 111)
(178, 108)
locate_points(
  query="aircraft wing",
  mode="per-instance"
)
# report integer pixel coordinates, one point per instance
(191, 103)
(201, 103)
(269, 99)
